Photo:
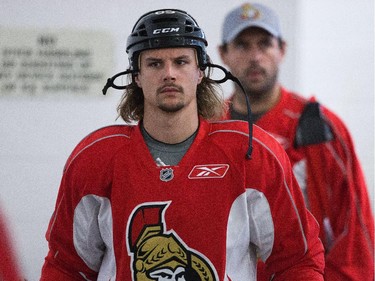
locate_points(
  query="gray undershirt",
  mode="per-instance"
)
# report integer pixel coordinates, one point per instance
(166, 154)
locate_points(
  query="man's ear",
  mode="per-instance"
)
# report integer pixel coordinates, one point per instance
(283, 47)
(201, 75)
(137, 81)
(222, 52)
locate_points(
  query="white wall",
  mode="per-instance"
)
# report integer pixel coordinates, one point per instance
(330, 56)
(336, 64)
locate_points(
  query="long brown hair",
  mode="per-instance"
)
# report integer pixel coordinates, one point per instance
(210, 100)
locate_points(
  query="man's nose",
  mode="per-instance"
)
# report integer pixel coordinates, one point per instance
(169, 72)
(253, 53)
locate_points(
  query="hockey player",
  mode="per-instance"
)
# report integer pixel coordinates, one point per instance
(316, 140)
(178, 196)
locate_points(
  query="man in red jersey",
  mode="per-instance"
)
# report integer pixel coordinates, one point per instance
(178, 196)
(316, 140)
(9, 267)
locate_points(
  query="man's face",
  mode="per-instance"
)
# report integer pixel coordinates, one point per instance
(254, 57)
(169, 78)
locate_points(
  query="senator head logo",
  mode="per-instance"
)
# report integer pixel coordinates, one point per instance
(249, 12)
(160, 255)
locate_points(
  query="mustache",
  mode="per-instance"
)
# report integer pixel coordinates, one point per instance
(168, 87)
(255, 68)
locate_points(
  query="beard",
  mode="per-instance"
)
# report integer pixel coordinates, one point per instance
(167, 106)
(257, 90)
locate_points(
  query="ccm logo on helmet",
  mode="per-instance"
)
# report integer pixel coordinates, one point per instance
(164, 12)
(165, 30)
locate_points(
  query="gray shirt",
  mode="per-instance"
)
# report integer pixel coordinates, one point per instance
(166, 154)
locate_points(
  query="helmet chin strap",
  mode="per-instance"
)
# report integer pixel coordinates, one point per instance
(228, 76)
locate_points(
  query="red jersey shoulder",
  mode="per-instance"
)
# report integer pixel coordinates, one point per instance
(103, 141)
(292, 102)
(236, 135)
(229, 125)
(335, 122)
(109, 131)
(230, 135)
(265, 142)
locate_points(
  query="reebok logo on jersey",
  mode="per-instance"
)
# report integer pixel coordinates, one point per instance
(208, 171)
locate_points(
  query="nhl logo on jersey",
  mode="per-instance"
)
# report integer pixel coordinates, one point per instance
(166, 174)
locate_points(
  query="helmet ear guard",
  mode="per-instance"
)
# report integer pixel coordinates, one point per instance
(166, 28)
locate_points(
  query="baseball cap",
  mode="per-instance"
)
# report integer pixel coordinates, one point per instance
(248, 15)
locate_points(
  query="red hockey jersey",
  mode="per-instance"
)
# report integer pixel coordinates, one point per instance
(9, 268)
(119, 216)
(333, 184)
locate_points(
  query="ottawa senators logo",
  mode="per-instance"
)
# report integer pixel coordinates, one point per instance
(160, 255)
(249, 12)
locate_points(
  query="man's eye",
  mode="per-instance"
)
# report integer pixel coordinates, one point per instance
(154, 64)
(181, 62)
(243, 47)
(265, 44)
(240, 46)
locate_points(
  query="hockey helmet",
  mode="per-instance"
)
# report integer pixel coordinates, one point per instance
(166, 28)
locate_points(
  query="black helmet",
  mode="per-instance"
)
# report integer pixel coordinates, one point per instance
(166, 28)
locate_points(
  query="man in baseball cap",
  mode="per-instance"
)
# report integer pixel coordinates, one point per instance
(250, 15)
(316, 140)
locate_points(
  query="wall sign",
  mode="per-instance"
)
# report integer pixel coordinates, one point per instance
(53, 62)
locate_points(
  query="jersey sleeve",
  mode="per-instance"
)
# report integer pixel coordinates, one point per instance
(78, 240)
(296, 252)
(63, 262)
(339, 199)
